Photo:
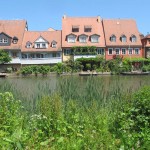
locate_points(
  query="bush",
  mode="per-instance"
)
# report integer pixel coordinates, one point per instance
(132, 124)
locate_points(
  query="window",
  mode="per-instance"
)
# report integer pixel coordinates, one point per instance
(14, 54)
(123, 38)
(133, 38)
(71, 39)
(5, 40)
(137, 51)
(24, 56)
(15, 41)
(87, 29)
(123, 51)
(117, 50)
(100, 51)
(28, 45)
(75, 28)
(110, 51)
(54, 55)
(82, 38)
(130, 51)
(94, 38)
(53, 45)
(43, 45)
(67, 51)
(113, 38)
(37, 45)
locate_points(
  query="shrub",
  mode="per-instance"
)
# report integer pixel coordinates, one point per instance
(132, 124)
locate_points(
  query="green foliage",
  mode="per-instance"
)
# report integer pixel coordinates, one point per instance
(84, 50)
(44, 70)
(4, 57)
(132, 123)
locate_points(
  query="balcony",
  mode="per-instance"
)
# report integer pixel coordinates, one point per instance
(16, 60)
(84, 56)
(36, 61)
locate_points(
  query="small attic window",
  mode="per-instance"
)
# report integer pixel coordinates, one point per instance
(123, 38)
(75, 28)
(15, 40)
(133, 38)
(28, 44)
(54, 44)
(113, 38)
(87, 28)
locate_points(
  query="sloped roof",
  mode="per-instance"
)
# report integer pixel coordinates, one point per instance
(119, 27)
(13, 28)
(82, 22)
(31, 36)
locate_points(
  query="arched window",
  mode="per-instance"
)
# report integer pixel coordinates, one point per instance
(113, 38)
(133, 38)
(123, 38)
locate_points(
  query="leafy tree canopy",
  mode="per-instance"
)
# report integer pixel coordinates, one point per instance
(4, 57)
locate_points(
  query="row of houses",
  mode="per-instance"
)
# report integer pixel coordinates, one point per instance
(109, 37)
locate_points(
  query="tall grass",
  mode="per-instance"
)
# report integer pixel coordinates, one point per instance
(65, 112)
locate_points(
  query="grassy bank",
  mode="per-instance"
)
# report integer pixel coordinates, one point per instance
(75, 116)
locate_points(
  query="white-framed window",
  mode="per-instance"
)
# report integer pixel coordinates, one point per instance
(94, 38)
(110, 51)
(71, 39)
(137, 51)
(5, 40)
(37, 45)
(100, 51)
(123, 38)
(123, 51)
(117, 51)
(28, 45)
(133, 38)
(54, 45)
(43, 45)
(15, 41)
(113, 38)
(82, 38)
(130, 51)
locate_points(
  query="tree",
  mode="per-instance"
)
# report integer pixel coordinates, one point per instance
(4, 57)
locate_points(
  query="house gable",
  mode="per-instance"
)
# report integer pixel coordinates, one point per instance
(5, 40)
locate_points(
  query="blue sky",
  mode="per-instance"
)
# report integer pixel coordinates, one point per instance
(42, 14)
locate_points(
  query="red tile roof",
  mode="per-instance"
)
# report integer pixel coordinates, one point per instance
(120, 27)
(49, 36)
(94, 22)
(13, 28)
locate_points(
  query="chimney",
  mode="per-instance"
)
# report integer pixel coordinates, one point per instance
(64, 17)
(98, 19)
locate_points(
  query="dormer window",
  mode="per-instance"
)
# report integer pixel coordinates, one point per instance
(87, 28)
(41, 43)
(95, 38)
(54, 44)
(71, 38)
(83, 38)
(113, 38)
(75, 28)
(4, 40)
(28, 44)
(133, 38)
(123, 38)
(15, 40)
